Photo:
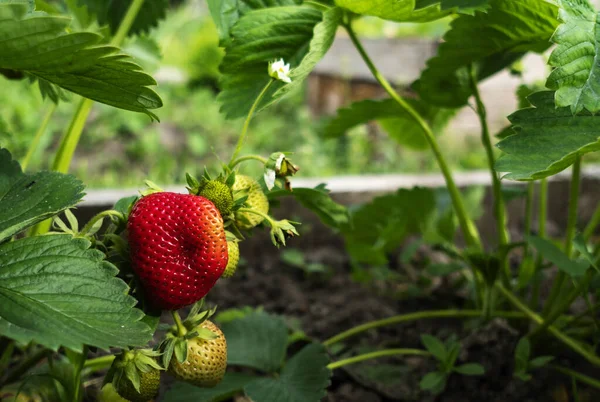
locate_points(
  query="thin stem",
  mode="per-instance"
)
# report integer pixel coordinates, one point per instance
(499, 209)
(592, 224)
(38, 136)
(542, 217)
(577, 376)
(375, 355)
(111, 212)
(98, 363)
(127, 22)
(25, 365)
(259, 213)
(557, 286)
(413, 317)
(245, 158)
(244, 132)
(570, 342)
(181, 330)
(468, 228)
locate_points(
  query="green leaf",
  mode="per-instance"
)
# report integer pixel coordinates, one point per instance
(445, 80)
(380, 226)
(435, 347)
(433, 380)
(225, 13)
(258, 38)
(304, 378)
(540, 361)
(26, 199)
(112, 12)
(394, 119)
(39, 45)
(257, 340)
(522, 353)
(555, 255)
(397, 10)
(547, 139)
(319, 201)
(232, 384)
(470, 369)
(56, 291)
(581, 247)
(576, 77)
(466, 6)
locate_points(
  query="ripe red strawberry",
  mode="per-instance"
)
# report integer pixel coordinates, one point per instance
(178, 247)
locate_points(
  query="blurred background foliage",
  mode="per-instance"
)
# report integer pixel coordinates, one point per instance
(183, 55)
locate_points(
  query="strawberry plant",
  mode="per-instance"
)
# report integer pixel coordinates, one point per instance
(78, 300)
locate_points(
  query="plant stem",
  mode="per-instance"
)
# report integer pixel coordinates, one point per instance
(542, 217)
(259, 213)
(245, 158)
(413, 317)
(99, 363)
(570, 342)
(374, 355)
(577, 376)
(499, 209)
(127, 22)
(181, 330)
(38, 136)
(592, 224)
(111, 212)
(242, 138)
(468, 228)
(557, 285)
(25, 365)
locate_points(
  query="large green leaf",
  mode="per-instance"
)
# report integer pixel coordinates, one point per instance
(225, 13)
(393, 10)
(547, 139)
(258, 38)
(465, 6)
(258, 340)
(26, 199)
(56, 291)
(39, 45)
(398, 123)
(112, 12)
(319, 201)
(380, 226)
(232, 384)
(576, 77)
(484, 39)
(304, 378)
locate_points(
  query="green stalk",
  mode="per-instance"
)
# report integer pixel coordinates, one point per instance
(468, 228)
(557, 286)
(244, 132)
(111, 212)
(375, 355)
(499, 208)
(98, 363)
(577, 376)
(413, 317)
(38, 136)
(570, 342)
(527, 229)
(592, 224)
(542, 218)
(181, 330)
(245, 158)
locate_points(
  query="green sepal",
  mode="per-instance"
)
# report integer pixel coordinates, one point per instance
(181, 349)
(152, 188)
(128, 365)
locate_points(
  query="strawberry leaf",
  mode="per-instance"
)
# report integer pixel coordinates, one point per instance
(257, 340)
(490, 45)
(547, 139)
(557, 257)
(577, 72)
(232, 384)
(304, 378)
(39, 45)
(56, 291)
(26, 199)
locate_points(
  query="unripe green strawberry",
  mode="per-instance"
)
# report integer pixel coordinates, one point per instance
(206, 360)
(149, 386)
(257, 200)
(219, 193)
(233, 250)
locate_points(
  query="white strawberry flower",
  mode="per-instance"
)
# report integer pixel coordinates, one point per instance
(280, 70)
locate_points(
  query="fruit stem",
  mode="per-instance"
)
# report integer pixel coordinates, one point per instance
(374, 355)
(181, 331)
(111, 212)
(98, 363)
(242, 138)
(38, 136)
(270, 220)
(417, 316)
(241, 159)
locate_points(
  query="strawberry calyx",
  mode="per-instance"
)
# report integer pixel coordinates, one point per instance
(129, 368)
(151, 188)
(280, 230)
